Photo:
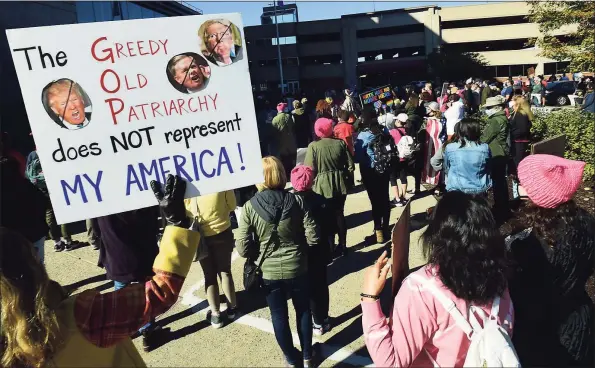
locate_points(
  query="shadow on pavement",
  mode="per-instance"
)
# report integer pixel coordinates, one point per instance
(72, 287)
(357, 219)
(418, 221)
(354, 261)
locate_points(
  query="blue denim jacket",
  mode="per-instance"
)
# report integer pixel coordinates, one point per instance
(466, 168)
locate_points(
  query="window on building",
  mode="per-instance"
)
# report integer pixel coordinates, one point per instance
(320, 37)
(333, 59)
(290, 40)
(388, 31)
(483, 22)
(555, 68)
(399, 53)
(291, 61)
(496, 45)
(270, 18)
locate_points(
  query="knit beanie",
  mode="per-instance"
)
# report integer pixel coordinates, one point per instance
(302, 178)
(323, 128)
(550, 180)
(281, 107)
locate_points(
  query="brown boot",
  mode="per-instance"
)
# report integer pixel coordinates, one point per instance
(379, 236)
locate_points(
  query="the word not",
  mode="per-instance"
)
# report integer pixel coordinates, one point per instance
(126, 50)
(61, 58)
(133, 139)
(72, 153)
(79, 187)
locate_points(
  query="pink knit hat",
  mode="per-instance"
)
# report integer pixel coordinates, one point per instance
(323, 128)
(550, 180)
(302, 178)
(282, 106)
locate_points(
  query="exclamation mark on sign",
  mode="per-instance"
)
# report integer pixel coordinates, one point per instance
(241, 157)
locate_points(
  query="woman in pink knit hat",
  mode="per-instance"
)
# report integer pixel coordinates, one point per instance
(552, 241)
(332, 162)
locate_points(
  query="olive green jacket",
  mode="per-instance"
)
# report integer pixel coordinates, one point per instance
(331, 160)
(495, 134)
(286, 258)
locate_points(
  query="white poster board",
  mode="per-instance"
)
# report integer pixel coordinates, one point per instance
(114, 105)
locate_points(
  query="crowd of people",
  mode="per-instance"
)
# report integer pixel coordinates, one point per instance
(521, 268)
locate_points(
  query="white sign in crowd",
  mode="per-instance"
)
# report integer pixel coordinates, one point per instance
(114, 105)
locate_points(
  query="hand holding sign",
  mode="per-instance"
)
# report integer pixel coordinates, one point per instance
(375, 276)
(171, 200)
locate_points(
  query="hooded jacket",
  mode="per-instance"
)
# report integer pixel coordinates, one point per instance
(287, 258)
(496, 133)
(283, 134)
(303, 127)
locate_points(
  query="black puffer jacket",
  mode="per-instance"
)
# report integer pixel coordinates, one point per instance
(554, 323)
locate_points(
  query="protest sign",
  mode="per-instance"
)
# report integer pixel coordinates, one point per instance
(400, 249)
(115, 105)
(377, 97)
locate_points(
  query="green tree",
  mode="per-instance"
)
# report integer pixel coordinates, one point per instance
(578, 47)
(451, 65)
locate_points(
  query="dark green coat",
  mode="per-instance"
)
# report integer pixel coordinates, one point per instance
(495, 134)
(331, 160)
(288, 258)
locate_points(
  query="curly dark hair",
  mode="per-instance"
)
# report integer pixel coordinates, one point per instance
(463, 241)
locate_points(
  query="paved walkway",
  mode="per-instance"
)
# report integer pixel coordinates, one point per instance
(190, 341)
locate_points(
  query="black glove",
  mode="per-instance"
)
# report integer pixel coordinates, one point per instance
(171, 201)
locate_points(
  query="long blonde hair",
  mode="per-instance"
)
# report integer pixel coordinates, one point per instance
(30, 332)
(274, 174)
(522, 107)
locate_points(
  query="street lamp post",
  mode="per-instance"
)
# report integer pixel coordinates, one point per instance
(279, 50)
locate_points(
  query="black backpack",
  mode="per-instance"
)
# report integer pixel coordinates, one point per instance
(385, 152)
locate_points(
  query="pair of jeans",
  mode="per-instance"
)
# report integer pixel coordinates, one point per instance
(55, 230)
(318, 258)
(92, 237)
(500, 187)
(121, 285)
(276, 295)
(336, 209)
(377, 188)
(39, 246)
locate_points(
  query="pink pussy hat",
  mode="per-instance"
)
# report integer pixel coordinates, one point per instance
(550, 180)
(281, 107)
(323, 128)
(302, 178)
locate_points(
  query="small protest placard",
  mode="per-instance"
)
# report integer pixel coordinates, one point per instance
(377, 97)
(115, 105)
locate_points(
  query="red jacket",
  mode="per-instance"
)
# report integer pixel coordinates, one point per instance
(345, 131)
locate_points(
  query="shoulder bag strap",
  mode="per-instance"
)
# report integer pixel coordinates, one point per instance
(275, 226)
(446, 302)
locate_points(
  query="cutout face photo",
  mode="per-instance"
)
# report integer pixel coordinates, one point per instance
(67, 104)
(188, 72)
(221, 41)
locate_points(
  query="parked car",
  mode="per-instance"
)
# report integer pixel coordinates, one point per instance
(558, 93)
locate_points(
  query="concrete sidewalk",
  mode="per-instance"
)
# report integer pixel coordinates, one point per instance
(190, 341)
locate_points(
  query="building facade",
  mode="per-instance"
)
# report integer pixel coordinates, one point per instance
(372, 48)
(21, 14)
